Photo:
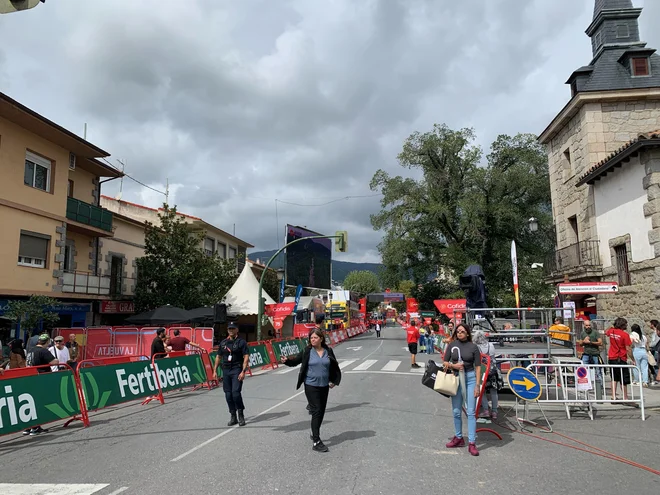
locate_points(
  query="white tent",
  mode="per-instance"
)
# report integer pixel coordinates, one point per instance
(241, 299)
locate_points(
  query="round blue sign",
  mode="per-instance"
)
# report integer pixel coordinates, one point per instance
(581, 372)
(524, 383)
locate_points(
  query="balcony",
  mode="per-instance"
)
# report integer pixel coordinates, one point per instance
(581, 259)
(97, 285)
(85, 216)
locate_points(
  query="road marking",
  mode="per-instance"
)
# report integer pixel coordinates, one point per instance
(346, 362)
(407, 373)
(365, 365)
(220, 435)
(50, 488)
(391, 366)
(419, 370)
(119, 490)
(354, 348)
(286, 370)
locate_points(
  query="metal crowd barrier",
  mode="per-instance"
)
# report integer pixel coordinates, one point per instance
(562, 385)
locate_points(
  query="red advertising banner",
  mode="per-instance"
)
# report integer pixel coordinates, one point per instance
(281, 309)
(363, 307)
(448, 306)
(412, 306)
(114, 307)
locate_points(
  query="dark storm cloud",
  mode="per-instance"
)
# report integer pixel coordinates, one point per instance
(239, 103)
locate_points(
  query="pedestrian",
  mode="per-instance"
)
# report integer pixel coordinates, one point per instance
(179, 342)
(430, 339)
(74, 351)
(590, 340)
(494, 380)
(320, 372)
(377, 329)
(412, 336)
(234, 355)
(463, 356)
(619, 354)
(639, 350)
(16, 354)
(158, 344)
(59, 351)
(40, 356)
(422, 339)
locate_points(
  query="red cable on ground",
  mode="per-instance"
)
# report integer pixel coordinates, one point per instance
(599, 452)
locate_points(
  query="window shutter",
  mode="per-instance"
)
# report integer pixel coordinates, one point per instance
(640, 67)
(33, 247)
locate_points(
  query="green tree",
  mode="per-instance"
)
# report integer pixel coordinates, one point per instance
(362, 281)
(272, 285)
(33, 312)
(462, 211)
(175, 270)
(428, 292)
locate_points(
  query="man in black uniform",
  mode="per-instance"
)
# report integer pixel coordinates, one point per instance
(158, 344)
(233, 353)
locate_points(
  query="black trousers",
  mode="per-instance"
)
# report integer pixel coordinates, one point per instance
(232, 387)
(317, 398)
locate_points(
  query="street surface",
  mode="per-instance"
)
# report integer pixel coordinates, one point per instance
(385, 431)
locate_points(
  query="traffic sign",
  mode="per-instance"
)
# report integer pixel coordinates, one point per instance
(524, 383)
(589, 288)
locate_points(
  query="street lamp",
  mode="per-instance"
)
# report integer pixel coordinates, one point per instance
(533, 224)
(9, 6)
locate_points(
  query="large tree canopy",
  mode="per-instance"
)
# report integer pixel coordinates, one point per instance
(462, 211)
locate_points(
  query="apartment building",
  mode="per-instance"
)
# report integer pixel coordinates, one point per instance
(51, 222)
(215, 240)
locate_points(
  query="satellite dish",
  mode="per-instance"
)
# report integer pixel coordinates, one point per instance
(9, 6)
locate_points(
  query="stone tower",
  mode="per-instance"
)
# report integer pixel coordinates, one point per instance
(614, 100)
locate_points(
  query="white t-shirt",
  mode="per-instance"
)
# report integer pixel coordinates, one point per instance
(62, 355)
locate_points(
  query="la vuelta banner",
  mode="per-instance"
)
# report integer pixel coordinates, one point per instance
(448, 306)
(412, 306)
(29, 401)
(278, 312)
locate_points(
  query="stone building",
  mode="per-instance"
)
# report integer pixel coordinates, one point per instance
(604, 160)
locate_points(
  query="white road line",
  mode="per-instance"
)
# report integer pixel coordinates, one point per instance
(346, 362)
(286, 370)
(365, 365)
(391, 366)
(220, 435)
(50, 488)
(119, 490)
(419, 370)
(407, 373)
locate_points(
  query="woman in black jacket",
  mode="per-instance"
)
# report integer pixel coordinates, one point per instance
(319, 372)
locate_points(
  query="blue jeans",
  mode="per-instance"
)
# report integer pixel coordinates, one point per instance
(430, 342)
(642, 361)
(589, 359)
(422, 343)
(457, 408)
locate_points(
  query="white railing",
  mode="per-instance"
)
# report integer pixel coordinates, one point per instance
(561, 385)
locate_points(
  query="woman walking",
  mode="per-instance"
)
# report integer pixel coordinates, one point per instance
(463, 356)
(639, 351)
(494, 381)
(319, 372)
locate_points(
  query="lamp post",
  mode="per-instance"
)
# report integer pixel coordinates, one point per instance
(260, 311)
(533, 224)
(9, 6)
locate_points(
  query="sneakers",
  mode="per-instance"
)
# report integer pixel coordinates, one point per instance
(319, 446)
(493, 416)
(415, 365)
(455, 443)
(33, 432)
(484, 414)
(472, 449)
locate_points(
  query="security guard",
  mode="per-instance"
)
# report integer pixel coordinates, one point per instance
(234, 355)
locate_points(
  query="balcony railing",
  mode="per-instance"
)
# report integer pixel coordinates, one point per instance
(101, 285)
(583, 255)
(91, 215)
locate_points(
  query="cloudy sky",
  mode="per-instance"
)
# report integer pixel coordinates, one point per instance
(242, 103)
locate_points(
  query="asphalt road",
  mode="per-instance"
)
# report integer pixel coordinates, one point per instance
(385, 431)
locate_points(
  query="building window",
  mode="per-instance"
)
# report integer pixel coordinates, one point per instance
(573, 88)
(640, 66)
(37, 172)
(33, 249)
(598, 40)
(116, 275)
(622, 31)
(568, 164)
(209, 246)
(621, 254)
(222, 250)
(232, 253)
(69, 189)
(69, 251)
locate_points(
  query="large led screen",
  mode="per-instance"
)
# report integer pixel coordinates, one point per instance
(308, 262)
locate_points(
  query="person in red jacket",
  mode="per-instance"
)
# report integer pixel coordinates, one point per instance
(412, 337)
(619, 353)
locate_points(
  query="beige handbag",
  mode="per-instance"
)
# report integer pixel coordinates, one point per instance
(446, 383)
(650, 357)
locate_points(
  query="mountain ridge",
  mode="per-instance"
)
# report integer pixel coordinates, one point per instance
(339, 268)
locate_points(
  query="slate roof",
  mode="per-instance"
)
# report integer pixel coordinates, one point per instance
(620, 156)
(610, 68)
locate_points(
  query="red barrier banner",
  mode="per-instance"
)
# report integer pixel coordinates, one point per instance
(448, 306)
(99, 343)
(203, 336)
(279, 310)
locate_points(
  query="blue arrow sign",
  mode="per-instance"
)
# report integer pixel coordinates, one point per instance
(524, 383)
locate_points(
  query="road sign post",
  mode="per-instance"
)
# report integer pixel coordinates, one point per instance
(526, 386)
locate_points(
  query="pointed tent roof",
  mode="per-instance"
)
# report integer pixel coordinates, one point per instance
(244, 293)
